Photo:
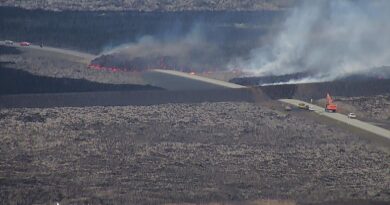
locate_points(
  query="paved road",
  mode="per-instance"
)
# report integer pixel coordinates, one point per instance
(176, 80)
(86, 56)
(343, 118)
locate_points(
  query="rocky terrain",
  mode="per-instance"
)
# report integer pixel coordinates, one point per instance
(372, 108)
(151, 5)
(174, 153)
(376, 107)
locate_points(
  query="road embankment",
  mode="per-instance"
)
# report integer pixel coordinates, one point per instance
(337, 88)
(125, 98)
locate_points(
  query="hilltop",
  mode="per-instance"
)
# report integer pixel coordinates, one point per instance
(151, 5)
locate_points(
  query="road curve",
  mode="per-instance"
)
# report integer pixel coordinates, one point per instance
(343, 118)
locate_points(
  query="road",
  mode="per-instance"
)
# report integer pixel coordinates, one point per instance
(85, 56)
(176, 80)
(343, 118)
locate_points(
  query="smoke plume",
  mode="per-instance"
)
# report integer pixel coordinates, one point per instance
(328, 38)
(190, 52)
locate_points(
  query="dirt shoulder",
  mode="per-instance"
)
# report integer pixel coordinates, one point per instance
(178, 153)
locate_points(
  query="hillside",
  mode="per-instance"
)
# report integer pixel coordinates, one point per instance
(151, 5)
(175, 153)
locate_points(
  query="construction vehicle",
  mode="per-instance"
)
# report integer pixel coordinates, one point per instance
(330, 105)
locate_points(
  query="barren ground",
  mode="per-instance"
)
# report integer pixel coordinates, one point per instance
(177, 153)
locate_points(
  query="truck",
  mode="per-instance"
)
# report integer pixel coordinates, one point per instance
(8, 42)
(330, 105)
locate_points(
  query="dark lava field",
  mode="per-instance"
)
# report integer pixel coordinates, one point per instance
(176, 153)
(74, 135)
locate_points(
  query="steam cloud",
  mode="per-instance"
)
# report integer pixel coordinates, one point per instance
(329, 39)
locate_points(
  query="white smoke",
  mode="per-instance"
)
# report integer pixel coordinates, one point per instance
(191, 49)
(174, 46)
(328, 38)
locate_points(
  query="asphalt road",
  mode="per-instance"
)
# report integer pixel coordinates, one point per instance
(343, 118)
(85, 56)
(176, 80)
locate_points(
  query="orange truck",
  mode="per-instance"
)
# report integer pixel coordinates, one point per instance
(330, 106)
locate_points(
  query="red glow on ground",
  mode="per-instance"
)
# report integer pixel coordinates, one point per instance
(102, 68)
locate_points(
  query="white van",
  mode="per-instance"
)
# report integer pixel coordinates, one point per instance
(8, 42)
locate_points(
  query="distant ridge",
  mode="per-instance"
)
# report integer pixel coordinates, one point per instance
(151, 5)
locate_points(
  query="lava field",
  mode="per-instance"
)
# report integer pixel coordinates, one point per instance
(192, 153)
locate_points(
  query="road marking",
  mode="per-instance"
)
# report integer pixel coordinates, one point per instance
(343, 118)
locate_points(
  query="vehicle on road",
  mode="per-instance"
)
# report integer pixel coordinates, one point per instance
(330, 105)
(352, 115)
(311, 108)
(8, 42)
(25, 44)
(302, 105)
(287, 108)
